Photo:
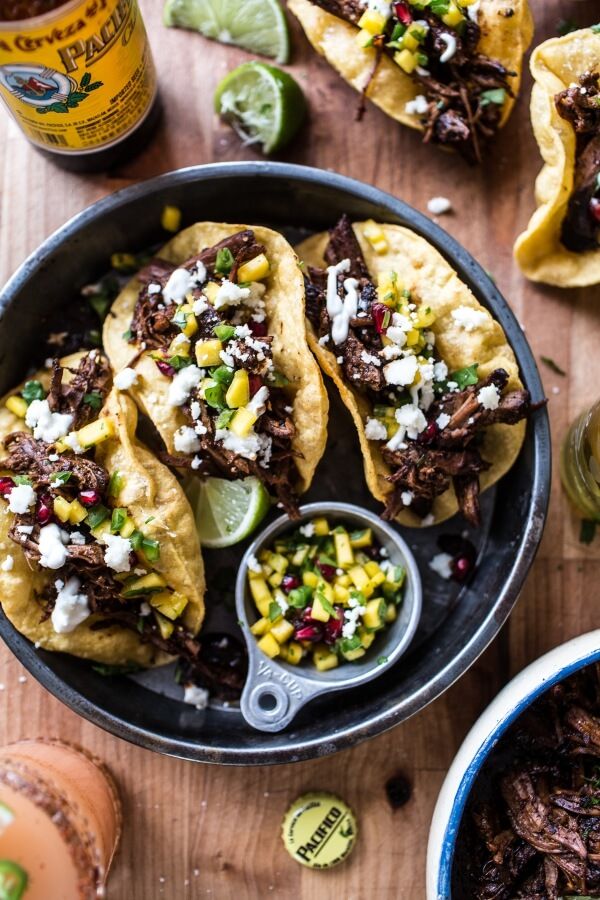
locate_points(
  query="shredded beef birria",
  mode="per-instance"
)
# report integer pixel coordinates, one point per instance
(153, 327)
(427, 466)
(580, 105)
(532, 827)
(460, 111)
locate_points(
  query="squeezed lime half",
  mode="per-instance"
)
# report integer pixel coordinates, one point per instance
(262, 103)
(228, 511)
(256, 25)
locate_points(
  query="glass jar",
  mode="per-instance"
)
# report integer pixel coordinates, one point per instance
(580, 463)
(60, 822)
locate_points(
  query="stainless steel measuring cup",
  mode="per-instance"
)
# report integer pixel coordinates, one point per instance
(275, 691)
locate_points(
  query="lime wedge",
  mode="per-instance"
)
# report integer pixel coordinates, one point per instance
(262, 103)
(256, 25)
(228, 511)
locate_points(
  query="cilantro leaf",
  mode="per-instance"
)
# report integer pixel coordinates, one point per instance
(94, 399)
(465, 377)
(495, 95)
(587, 532)
(224, 332)
(33, 390)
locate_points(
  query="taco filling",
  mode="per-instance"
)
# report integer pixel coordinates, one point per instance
(206, 325)
(579, 105)
(94, 558)
(427, 420)
(435, 43)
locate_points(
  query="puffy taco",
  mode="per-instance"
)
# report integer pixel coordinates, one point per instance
(99, 556)
(450, 68)
(425, 371)
(221, 365)
(561, 245)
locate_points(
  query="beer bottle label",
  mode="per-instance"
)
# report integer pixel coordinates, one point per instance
(80, 78)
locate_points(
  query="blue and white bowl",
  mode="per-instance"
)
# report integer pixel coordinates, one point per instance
(510, 703)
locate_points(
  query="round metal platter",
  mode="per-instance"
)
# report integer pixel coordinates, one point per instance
(457, 622)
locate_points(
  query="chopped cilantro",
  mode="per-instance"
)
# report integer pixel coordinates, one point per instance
(96, 516)
(348, 644)
(115, 484)
(119, 515)
(60, 478)
(587, 531)
(33, 390)
(277, 379)
(548, 361)
(179, 362)
(223, 375)
(495, 95)
(215, 396)
(300, 597)
(22, 479)
(465, 377)
(566, 26)
(94, 399)
(109, 671)
(274, 611)
(148, 520)
(381, 660)
(100, 303)
(224, 262)
(327, 606)
(224, 332)
(225, 418)
(151, 549)
(127, 335)
(596, 28)
(136, 539)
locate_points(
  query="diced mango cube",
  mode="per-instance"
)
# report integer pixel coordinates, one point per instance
(364, 38)
(366, 637)
(96, 432)
(321, 527)
(318, 610)
(269, 645)
(179, 347)
(406, 60)
(242, 422)
(275, 579)
(324, 658)
(261, 595)
(170, 218)
(254, 270)
(453, 17)
(412, 337)
(371, 568)
(391, 613)
(425, 317)
(409, 42)
(238, 392)
(310, 579)
(62, 509)
(292, 653)
(261, 626)
(376, 237)
(372, 21)
(282, 631)
(359, 577)
(374, 616)
(77, 512)
(170, 603)
(165, 626)
(208, 352)
(17, 406)
(343, 580)
(343, 551)
(340, 594)
(210, 291)
(127, 528)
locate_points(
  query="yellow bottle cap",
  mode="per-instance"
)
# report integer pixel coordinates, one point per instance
(319, 830)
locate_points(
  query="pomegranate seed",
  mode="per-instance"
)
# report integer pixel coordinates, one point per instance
(327, 571)
(333, 628)
(461, 567)
(44, 510)
(306, 614)
(308, 633)
(165, 368)
(6, 486)
(289, 583)
(89, 498)
(381, 316)
(429, 434)
(595, 208)
(402, 12)
(258, 329)
(255, 383)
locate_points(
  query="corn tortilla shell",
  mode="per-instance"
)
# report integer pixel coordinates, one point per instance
(149, 489)
(284, 303)
(504, 39)
(424, 272)
(555, 65)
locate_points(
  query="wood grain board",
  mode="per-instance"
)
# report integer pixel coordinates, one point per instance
(194, 830)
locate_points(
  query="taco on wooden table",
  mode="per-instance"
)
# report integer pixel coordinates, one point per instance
(451, 68)
(426, 372)
(561, 245)
(221, 365)
(98, 549)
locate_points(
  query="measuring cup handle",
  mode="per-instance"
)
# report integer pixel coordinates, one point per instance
(272, 695)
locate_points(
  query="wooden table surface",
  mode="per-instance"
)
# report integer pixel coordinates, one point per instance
(196, 830)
